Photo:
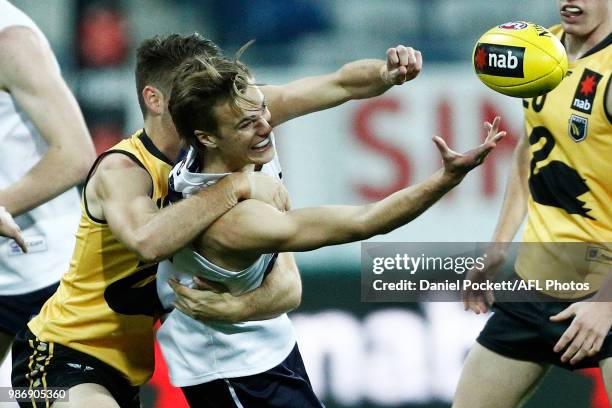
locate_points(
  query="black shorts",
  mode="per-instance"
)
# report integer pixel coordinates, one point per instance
(17, 310)
(43, 365)
(286, 385)
(523, 331)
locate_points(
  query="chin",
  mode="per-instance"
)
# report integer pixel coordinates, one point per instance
(263, 159)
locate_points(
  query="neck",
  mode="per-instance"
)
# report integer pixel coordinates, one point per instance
(576, 46)
(165, 139)
(210, 163)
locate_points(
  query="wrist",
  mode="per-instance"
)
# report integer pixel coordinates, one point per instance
(383, 74)
(239, 186)
(450, 178)
(236, 310)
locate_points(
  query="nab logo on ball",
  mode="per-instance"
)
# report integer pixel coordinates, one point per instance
(514, 25)
(499, 60)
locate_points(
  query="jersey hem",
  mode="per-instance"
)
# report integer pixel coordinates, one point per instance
(219, 375)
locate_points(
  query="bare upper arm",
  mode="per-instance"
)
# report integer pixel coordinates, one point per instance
(29, 72)
(303, 96)
(252, 227)
(119, 192)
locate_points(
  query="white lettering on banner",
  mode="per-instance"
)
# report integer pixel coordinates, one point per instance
(391, 357)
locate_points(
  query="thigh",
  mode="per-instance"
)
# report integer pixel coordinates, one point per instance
(45, 366)
(490, 380)
(88, 395)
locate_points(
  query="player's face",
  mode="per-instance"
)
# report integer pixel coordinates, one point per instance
(244, 136)
(582, 17)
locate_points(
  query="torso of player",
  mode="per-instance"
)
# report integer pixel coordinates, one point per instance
(106, 302)
(48, 229)
(569, 224)
(233, 350)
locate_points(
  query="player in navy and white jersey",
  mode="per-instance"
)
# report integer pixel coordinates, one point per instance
(231, 349)
(46, 150)
(220, 112)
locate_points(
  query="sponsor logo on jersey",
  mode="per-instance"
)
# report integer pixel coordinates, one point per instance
(577, 128)
(514, 25)
(35, 243)
(499, 60)
(585, 91)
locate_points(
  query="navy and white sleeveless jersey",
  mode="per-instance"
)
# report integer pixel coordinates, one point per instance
(49, 229)
(197, 352)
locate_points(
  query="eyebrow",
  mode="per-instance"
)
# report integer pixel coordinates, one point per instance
(264, 103)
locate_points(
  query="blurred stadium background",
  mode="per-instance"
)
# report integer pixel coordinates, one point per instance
(358, 354)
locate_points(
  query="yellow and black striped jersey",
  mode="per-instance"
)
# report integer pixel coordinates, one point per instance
(106, 302)
(570, 140)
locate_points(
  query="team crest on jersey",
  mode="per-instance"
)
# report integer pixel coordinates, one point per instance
(499, 60)
(577, 128)
(585, 91)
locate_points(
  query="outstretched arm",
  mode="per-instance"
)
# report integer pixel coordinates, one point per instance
(29, 73)
(355, 80)
(253, 228)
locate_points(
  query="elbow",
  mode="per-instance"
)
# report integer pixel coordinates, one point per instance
(146, 250)
(83, 160)
(78, 162)
(295, 298)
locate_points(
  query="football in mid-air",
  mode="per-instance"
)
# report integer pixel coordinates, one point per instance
(520, 59)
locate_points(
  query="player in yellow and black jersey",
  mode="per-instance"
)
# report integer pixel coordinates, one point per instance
(95, 335)
(561, 180)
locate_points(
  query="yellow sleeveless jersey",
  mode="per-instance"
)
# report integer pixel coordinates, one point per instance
(569, 219)
(106, 302)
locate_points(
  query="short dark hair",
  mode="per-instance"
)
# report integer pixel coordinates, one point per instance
(158, 59)
(200, 85)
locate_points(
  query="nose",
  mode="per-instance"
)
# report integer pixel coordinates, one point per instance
(263, 127)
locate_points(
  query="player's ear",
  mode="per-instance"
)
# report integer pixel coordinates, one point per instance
(153, 99)
(207, 140)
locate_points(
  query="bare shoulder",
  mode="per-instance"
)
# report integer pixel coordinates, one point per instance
(19, 47)
(117, 172)
(16, 37)
(19, 42)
